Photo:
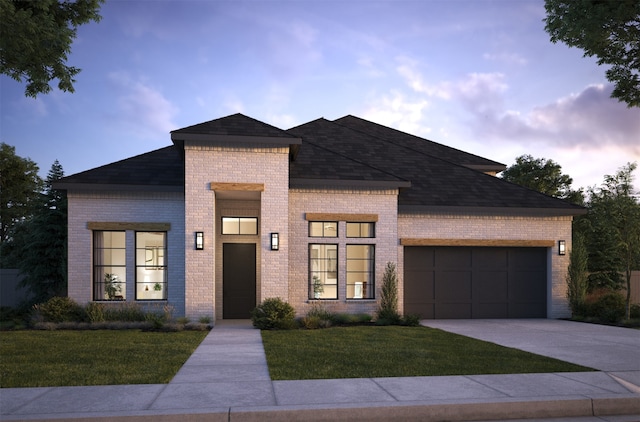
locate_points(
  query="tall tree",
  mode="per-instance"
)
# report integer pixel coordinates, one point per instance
(41, 243)
(614, 231)
(36, 37)
(20, 190)
(607, 29)
(544, 176)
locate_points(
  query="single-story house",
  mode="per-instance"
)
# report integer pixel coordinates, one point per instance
(236, 211)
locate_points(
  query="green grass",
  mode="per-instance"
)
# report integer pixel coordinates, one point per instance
(364, 352)
(59, 358)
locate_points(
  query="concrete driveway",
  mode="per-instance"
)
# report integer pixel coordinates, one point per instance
(596, 346)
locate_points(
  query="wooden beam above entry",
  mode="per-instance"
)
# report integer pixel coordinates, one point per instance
(243, 187)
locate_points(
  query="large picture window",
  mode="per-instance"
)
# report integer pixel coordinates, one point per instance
(360, 271)
(109, 265)
(323, 271)
(151, 266)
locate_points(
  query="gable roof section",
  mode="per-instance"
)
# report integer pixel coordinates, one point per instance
(159, 170)
(316, 165)
(421, 145)
(234, 128)
(435, 183)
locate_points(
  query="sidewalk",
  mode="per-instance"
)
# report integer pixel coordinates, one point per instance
(227, 379)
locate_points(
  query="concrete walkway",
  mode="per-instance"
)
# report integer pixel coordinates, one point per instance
(227, 379)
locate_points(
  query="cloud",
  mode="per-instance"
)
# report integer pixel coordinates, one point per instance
(589, 119)
(142, 107)
(395, 110)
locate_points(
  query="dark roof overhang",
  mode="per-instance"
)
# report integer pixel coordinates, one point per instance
(503, 211)
(342, 183)
(103, 187)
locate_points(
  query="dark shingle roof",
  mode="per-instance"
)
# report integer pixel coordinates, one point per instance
(234, 125)
(421, 145)
(159, 169)
(428, 174)
(434, 181)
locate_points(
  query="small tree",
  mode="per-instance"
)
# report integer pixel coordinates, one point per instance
(577, 277)
(388, 309)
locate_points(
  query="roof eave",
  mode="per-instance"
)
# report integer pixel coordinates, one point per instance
(506, 211)
(342, 183)
(88, 187)
(179, 138)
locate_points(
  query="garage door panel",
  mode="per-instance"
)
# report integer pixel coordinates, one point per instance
(491, 286)
(453, 286)
(527, 288)
(493, 258)
(452, 258)
(422, 287)
(476, 282)
(491, 310)
(526, 310)
(419, 259)
(453, 311)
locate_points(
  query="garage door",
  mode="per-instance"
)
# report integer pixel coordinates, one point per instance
(475, 282)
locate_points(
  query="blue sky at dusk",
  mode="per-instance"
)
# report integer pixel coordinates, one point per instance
(480, 76)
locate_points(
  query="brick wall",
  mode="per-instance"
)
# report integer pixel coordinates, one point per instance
(383, 203)
(124, 207)
(233, 164)
(452, 226)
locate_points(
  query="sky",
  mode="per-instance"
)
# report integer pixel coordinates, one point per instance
(481, 76)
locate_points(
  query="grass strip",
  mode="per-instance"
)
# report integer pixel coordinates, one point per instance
(103, 357)
(392, 351)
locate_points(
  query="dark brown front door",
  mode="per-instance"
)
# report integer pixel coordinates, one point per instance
(238, 280)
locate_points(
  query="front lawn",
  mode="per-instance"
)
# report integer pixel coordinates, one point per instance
(102, 357)
(392, 351)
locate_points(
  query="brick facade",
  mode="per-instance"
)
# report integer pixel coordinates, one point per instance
(261, 165)
(452, 226)
(125, 207)
(382, 203)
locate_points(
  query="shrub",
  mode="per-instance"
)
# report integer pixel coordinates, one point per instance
(273, 314)
(95, 312)
(604, 305)
(126, 311)
(182, 320)
(610, 307)
(411, 320)
(59, 309)
(635, 311)
(204, 320)
(388, 309)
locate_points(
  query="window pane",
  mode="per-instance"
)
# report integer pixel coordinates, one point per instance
(240, 225)
(361, 230)
(323, 229)
(151, 269)
(109, 265)
(323, 271)
(230, 225)
(248, 225)
(315, 228)
(360, 271)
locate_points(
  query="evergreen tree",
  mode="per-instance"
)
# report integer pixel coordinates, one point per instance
(41, 252)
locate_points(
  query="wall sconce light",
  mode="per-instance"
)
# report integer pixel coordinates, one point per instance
(199, 241)
(275, 241)
(562, 247)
